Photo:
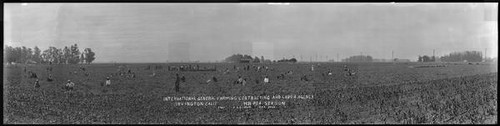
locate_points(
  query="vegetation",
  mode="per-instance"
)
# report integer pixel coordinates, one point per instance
(378, 93)
(70, 55)
(292, 60)
(469, 56)
(426, 58)
(238, 58)
(358, 58)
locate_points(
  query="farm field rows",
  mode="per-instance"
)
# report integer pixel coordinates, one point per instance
(378, 93)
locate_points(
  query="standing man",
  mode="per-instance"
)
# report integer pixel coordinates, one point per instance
(266, 79)
(183, 79)
(240, 80)
(108, 81)
(37, 84)
(50, 78)
(213, 78)
(70, 85)
(177, 81)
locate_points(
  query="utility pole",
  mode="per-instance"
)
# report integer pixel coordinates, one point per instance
(433, 56)
(392, 57)
(485, 49)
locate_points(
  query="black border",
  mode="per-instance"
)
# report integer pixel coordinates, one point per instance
(243, 1)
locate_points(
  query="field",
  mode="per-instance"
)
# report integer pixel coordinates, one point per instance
(378, 93)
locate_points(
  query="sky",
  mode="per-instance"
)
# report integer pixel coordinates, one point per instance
(150, 32)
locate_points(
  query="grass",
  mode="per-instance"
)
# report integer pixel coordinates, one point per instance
(379, 93)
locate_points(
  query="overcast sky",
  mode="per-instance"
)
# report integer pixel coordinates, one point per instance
(143, 32)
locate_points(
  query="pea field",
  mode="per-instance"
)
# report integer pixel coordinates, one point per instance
(378, 93)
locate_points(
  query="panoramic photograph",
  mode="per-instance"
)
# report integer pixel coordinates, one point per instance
(250, 63)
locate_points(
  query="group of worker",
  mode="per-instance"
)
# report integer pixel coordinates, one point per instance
(69, 85)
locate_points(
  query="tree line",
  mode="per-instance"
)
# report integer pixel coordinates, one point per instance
(239, 58)
(358, 58)
(468, 56)
(52, 55)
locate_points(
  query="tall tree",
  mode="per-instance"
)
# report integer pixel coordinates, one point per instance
(66, 55)
(469, 56)
(52, 55)
(29, 55)
(82, 58)
(36, 54)
(89, 55)
(75, 54)
(426, 58)
(10, 54)
(256, 60)
(24, 52)
(59, 56)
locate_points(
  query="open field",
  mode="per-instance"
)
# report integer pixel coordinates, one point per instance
(377, 93)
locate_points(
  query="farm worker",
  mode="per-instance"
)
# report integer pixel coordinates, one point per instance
(215, 79)
(244, 81)
(177, 81)
(37, 84)
(183, 79)
(33, 75)
(312, 67)
(266, 79)
(351, 73)
(50, 78)
(240, 80)
(69, 85)
(108, 81)
(304, 78)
